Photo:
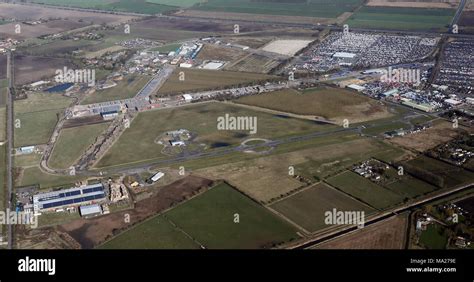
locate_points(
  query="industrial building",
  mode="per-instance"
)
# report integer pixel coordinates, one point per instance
(90, 210)
(157, 176)
(187, 97)
(56, 200)
(109, 115)
(422, 106)
(356, 87)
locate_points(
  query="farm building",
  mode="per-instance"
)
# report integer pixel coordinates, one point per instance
(27, 149)
(51, 201)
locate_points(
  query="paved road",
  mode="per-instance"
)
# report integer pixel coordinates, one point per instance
(225, 151)
(458, 14)
(156, 82)
(10, 77)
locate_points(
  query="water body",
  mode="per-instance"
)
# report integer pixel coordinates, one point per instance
(59, 88)
(282, 116)
(219, 144)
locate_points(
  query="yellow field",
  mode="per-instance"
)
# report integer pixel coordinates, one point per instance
(196, 79)
(334, 104)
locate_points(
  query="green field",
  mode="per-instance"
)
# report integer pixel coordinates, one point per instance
(3, 123)
(202, 120)
(58, 47)
(34, 175)
(210, 220)
(133, 6)
(72, 143)
(198, 79)
(433, 237)
(179, 3)
(365, 190)
(126, 88)
(37, 117)
(281, 149)
(376, 130)
(437, 172)
(308, 8)
(3, 175)
(401, 18)
(27, 160)
(162, 34)
(410, 187)
(155, 233)
(308, 208)
(326, 102)
(57, 218)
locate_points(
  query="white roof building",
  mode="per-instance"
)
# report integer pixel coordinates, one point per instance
(38, 83)
(356, 87)
(185, 65)
(453, 102)
(187, 97)
(90, 210)
(157, 176)
(344, 55)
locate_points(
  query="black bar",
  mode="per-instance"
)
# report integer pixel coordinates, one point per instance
(271, 265)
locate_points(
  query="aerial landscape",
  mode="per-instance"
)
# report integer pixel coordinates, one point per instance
(237, 124)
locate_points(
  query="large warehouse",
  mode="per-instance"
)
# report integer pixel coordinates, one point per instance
(52, 201)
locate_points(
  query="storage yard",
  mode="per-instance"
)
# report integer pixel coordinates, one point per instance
(457, 65)
(359, 50)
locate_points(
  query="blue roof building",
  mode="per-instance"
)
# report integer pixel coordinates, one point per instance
(50, 201)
